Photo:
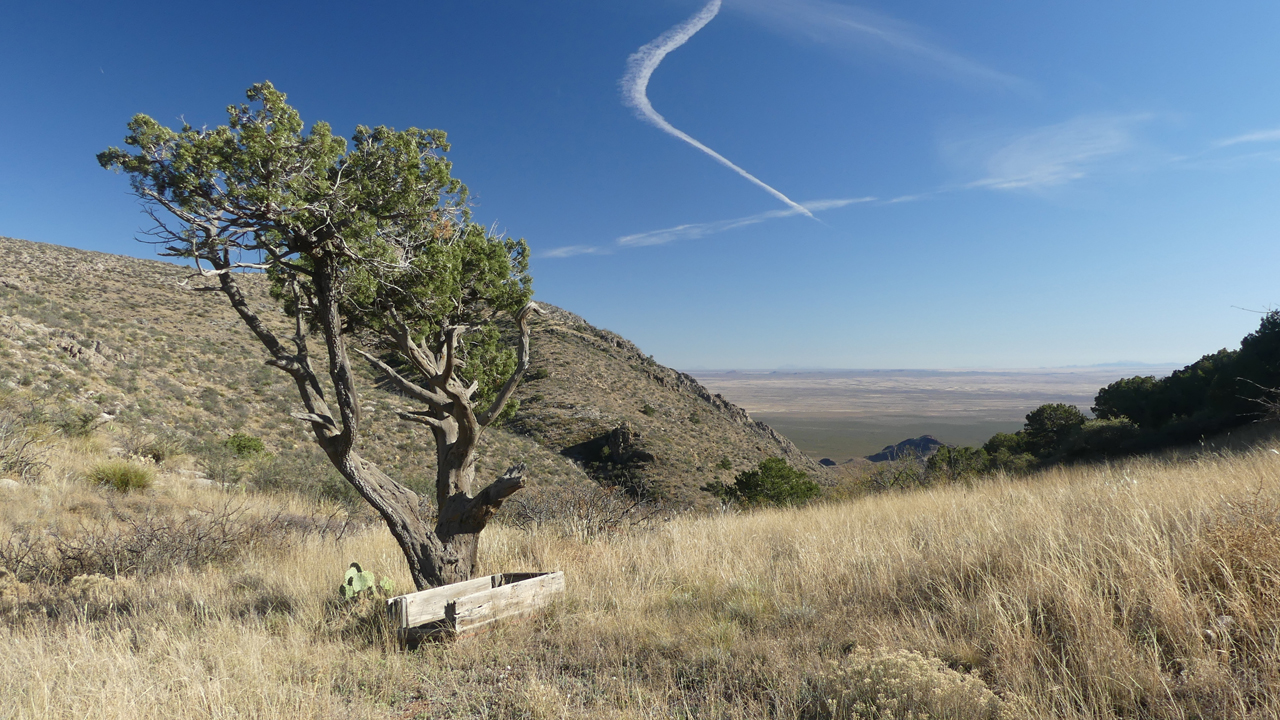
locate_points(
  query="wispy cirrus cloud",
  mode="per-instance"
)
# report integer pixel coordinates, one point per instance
(571, 250)
(693, 231)
(840, 25)
(1272, 135)
(1057, 154)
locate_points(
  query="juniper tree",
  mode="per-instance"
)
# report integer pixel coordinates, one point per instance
(366, 242)
(774, 482)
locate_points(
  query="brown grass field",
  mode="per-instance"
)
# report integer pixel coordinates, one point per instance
(1140, 589)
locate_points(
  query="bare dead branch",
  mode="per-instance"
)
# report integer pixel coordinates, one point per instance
(231, 268)
(421, 418)
(406, 386)
(314, 418)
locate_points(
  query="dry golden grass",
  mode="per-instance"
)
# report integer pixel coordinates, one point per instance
(1148, 588)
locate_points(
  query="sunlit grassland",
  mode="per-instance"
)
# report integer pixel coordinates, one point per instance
(1145, 588)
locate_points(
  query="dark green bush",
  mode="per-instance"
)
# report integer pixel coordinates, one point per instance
(774, 482)
(1101, 438)
(1049, 426)
(245, 445)
(1014, 463)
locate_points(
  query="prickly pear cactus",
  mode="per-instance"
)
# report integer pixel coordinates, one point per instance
(356, 581)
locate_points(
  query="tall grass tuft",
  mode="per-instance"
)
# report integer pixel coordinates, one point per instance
(122, 475)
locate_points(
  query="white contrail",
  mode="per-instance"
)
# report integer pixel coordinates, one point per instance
(693, 231)
(635, 83)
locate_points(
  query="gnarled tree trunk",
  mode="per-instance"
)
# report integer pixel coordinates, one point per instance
(438, 542)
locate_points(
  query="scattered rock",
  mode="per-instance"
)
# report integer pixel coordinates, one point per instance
(9, 484)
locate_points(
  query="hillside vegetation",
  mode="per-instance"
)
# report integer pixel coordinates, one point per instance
(1146, 588)
(171, 547)
(146, 347)
(1220, 393)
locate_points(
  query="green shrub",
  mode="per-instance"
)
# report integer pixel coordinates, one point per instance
(1101, 438)
(1013, 463)
(245, 445)
(649, 410)
(900, 684)
(725, 464)
(76, 423)
(122, 475)
(774, 482)
(950, 464)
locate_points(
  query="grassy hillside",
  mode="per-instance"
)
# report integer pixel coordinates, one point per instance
(1142, 589)
(1148, 588)
(145, 347)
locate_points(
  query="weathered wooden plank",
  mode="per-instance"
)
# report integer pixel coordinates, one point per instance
(473, 612)
(427, 606)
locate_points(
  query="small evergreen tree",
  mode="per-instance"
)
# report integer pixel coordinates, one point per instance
(1049, 425)
(773, 482)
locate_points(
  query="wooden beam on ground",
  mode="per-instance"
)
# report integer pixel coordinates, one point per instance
(426, 606)
(471, 613)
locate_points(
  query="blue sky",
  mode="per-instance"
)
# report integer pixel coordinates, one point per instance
(1003, 184)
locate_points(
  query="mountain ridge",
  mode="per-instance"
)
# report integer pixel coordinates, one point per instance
(145, 345)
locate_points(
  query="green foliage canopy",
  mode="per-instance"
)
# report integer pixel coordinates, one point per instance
(1128, 398)
(774, 482)
(1049, 425)
(957, 463)
(1218, 391)
(381, 212)
(244, 445)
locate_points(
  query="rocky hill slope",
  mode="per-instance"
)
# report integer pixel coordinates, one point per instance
(593, 396)
(143, 347)
(921, 447)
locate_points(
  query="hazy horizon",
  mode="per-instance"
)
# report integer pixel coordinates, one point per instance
(806, 369)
